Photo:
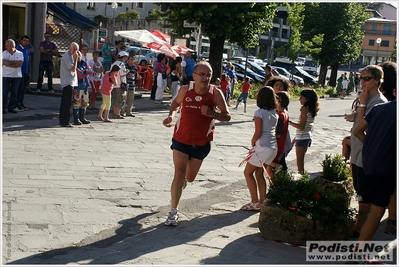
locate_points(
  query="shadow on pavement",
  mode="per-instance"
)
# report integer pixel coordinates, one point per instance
(132, 235)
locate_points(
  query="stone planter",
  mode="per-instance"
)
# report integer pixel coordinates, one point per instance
(342, 187)
(276, 223)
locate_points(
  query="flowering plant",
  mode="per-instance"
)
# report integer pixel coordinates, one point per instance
(306, 198)
(335, 168)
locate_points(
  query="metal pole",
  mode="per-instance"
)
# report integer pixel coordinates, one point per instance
(378, 46)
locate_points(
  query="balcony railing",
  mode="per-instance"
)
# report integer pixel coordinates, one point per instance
(382, 33)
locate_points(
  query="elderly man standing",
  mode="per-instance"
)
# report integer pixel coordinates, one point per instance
(68, 79)
(12, 75)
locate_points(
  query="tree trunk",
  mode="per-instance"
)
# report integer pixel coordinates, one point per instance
(323, 74)
(216, 56)
(333, 76)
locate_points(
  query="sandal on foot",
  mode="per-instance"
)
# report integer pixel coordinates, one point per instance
(101, 119)
(251, 206)
(107, 121)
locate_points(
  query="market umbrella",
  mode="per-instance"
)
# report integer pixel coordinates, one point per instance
(163, 48)
(142, 36)
(161, 35)
(181, 49)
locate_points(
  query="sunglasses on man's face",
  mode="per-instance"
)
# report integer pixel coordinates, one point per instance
(366, 78)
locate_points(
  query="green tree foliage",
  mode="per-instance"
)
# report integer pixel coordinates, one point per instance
(154, 15)
(340, 24)
(128, 15)
(238, 23)
(295, 19)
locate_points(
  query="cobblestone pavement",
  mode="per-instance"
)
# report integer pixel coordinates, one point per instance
(99, 193)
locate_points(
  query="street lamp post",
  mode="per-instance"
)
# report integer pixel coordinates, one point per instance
(378, 41)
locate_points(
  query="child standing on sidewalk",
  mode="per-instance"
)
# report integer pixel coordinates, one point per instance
(283, 100)
(108, 82)
(245, 87)
(264, 147)
(345, 84)
(303, 137)
(224, 85)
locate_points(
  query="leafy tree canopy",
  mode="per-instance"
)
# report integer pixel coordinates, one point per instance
(239, 23)
(234, 22)
(130, 14)
(340, 24)
(154, 15)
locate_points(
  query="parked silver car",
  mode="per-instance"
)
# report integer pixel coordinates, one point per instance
(143, 56)
(295, 80)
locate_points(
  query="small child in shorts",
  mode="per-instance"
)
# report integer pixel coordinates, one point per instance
(245, 87)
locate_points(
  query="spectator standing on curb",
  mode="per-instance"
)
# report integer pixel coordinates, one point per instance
(118, 98)
(95, 79)
(280, 84)
(345, 84)
(304, 128)
(283, 100)
(47, 50)
(80, 96)
(155, 78)
(109, 80)
(12, 75)
(379, 161)
(24, 48)
(264, 147)
(201, 104)
(68, 80)
(339, 85)
(232, 77)
(131, 79)
(161, 68)
(31, 50)
(175, 77)
(117, 49)
(370, 78)
(83, 50)
(224, 85)
(351, 85)
(269, 74)
(388, 89)
(188, 68)
(107, 55)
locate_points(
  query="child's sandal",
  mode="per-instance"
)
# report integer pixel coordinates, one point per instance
(251, 206)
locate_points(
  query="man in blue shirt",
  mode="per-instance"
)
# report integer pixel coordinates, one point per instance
(24, 48)
(228, 70)
(188, 68)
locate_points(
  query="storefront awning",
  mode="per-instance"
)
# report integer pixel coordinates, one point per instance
(66, 14)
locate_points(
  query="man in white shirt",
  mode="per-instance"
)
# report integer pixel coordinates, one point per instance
(12, 75)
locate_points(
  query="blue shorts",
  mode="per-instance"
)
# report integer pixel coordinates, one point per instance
(305, 142)
(243, 97)
(197, 152)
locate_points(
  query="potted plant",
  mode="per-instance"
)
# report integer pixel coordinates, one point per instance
(303, 209)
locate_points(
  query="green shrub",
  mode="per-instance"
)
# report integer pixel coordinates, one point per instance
(306, 198)
(335, 168)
